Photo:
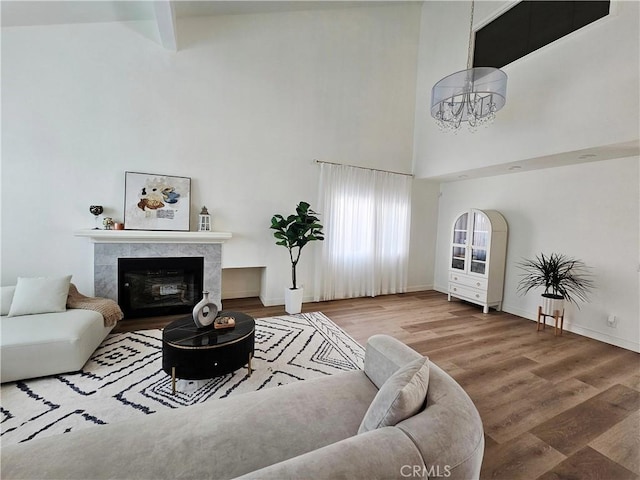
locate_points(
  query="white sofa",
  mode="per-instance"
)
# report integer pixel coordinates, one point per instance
(47, 343)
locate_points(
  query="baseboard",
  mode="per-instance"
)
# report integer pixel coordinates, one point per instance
(579, 330)
(270, 302)
(441, 289)
(519, 312)
(240, 294)
(419, 288)
(568, 326)
(604, 337)
(275, 301)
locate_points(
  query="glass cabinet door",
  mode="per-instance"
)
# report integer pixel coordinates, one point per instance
(460, 230)
(457, 259)
(479, 243)
(460, 235)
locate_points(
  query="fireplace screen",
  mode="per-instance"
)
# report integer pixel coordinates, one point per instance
(159, 286)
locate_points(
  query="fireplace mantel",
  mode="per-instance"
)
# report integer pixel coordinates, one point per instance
(110, 245)
(148, 236)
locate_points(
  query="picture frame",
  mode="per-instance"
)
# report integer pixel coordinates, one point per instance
(156, 202)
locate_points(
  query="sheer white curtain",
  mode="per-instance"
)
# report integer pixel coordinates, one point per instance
(366, 217)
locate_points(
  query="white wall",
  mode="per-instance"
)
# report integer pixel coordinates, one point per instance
(241, 282)
(588, 211)
(424, 229)
(243, 108)
(579, 92)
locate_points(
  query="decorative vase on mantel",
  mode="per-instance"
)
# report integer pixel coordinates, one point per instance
(205, 311)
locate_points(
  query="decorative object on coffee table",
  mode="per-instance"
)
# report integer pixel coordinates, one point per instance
(156, 202)
(204, 220)
(195, 353)
(224, 322)
(205, 311)
(96, 210)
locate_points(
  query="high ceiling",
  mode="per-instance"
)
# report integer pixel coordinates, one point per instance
(165, 12)
(44, 12)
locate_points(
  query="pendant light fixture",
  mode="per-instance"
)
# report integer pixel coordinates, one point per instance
(473, 95)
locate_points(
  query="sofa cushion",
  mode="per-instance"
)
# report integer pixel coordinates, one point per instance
(6, 299)
(401, 396)
(384, 356)
(40, 295)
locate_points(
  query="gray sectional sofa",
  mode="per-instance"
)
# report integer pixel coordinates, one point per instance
(305, 430)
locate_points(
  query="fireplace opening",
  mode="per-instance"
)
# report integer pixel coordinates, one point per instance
(159, 286)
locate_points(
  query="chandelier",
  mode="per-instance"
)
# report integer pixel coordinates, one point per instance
(473, 95)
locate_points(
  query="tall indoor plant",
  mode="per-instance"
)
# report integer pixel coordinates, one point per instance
(293, 233)
(563, 278)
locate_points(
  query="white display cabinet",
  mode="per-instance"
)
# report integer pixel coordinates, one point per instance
(477, 258)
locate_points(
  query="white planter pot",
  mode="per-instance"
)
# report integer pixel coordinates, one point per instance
(293, 300)
(551, 304)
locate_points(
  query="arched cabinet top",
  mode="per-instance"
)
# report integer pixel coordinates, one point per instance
(498, 222)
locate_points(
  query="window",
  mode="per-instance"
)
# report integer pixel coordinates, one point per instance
(531, 25)
(366, 215)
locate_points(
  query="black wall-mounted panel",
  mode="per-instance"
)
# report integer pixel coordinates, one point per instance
(531, 25)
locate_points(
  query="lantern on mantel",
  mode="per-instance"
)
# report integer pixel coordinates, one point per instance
(204, 222)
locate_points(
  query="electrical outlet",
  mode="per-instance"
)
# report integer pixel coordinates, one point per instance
(612, 321)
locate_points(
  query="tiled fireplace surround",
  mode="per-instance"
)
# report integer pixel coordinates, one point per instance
(106, 256)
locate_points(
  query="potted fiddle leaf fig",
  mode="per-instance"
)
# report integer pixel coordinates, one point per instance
(563, 278)
(294, 232)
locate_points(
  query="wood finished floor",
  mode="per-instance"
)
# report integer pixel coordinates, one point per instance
(553, 407)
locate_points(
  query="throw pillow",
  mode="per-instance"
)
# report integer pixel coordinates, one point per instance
(7, 297)
(40, 295)
(400, 397)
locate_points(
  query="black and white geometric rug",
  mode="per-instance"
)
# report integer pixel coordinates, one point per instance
(124, 377)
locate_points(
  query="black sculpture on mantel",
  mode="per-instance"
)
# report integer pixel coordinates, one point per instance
(96, 210)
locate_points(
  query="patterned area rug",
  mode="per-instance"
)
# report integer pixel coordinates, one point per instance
(124, 377)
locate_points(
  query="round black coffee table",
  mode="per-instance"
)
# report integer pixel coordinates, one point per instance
(194, 353)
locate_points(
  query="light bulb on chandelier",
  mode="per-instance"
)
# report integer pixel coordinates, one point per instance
(473, 95)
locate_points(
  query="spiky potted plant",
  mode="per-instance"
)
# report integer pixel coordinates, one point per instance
(294, 232)
(563, 278)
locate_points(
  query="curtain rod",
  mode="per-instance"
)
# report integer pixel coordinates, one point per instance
(364, 168)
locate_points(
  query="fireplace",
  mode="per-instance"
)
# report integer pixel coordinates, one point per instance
(159, 285)
(112, 245)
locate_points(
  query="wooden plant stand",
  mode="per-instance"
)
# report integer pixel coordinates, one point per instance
(556, 316)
